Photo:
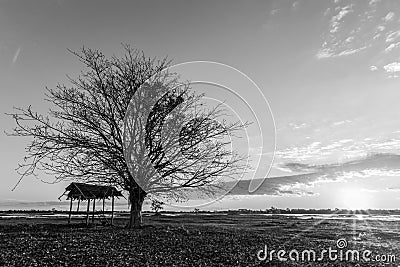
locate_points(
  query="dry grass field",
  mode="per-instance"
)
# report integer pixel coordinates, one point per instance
(189, 240)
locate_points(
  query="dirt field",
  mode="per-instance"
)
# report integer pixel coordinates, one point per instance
(192, 240)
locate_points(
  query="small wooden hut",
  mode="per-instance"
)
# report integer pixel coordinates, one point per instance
(82, 192)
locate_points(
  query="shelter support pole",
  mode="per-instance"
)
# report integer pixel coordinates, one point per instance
(94, 206)
(112, 210)
(104, 212)
(70, 212)
(79, 202)
(87, 212)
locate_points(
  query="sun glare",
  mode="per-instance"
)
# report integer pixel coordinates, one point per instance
(354, 198)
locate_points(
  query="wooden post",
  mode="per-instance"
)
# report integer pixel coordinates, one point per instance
(94, 206)
(70, 211)
(79, 202)
(112, 210)
(87, 212)
(104, 212)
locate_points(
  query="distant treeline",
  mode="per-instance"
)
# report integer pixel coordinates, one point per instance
(271, 210)
(274, 210)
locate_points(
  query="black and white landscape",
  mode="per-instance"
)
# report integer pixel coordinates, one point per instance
(200, 133)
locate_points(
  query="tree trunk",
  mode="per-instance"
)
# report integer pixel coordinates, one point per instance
(136, 198)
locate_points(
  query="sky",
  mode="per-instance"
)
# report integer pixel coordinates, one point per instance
(329, 70)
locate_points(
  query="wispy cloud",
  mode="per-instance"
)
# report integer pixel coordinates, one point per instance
(355, 27)
(389, 17)
(342, 149)
(16, 55)
(392, 36)
(301, 153)
(330, 53)
(336, 20)
(391, 47)
(295, 4)
(373, 68)
(392, 68)
(325, 53)
(327, 11)
(340, 39)
(377, 165)
(351, 51)
(378, 32)
(296, 126)
(373, 2)
(274, 12)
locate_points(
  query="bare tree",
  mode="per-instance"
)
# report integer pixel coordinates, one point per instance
(126, 122)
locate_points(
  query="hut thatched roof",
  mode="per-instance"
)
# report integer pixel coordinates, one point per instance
(90, 191)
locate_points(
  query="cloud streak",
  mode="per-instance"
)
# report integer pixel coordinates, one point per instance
(355, 27)
(392, 69)
(16, 55)
(389, 17)
(377, 165)
(336, 20)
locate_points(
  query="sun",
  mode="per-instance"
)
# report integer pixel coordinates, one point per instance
(353, 198)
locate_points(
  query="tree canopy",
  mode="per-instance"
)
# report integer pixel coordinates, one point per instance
(127, 122)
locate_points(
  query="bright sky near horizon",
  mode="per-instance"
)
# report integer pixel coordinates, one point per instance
(329, 69)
